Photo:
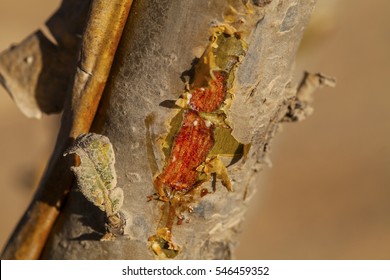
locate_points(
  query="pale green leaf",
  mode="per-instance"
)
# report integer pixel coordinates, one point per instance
(96, 176)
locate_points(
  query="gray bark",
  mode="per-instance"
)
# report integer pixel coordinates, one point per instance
(160, 41)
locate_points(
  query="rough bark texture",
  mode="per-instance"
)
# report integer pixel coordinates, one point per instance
(160, 41)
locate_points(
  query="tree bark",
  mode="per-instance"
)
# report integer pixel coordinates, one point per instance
(160, 41)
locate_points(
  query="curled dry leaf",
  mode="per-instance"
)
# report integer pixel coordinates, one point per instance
(36, 72)
(96, 175)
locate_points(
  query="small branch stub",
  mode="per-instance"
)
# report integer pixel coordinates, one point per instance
(299, 107)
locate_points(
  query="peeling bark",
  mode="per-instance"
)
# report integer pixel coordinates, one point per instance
(161, 39)
(37, 72)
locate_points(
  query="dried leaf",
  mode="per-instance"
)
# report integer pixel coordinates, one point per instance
(96, 175)
(24, 73)
(36, 72)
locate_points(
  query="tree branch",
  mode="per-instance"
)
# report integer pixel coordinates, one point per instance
(161, 40)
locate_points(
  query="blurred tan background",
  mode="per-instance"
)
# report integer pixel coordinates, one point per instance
(327, 195)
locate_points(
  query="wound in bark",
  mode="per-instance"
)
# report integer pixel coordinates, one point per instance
(201, 137)
(192, 144)
(209, 99)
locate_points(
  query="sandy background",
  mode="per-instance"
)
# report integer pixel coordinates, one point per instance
(327, 195)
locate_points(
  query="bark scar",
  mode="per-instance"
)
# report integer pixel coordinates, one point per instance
(192, 144)
(194, 155)
(205, 103)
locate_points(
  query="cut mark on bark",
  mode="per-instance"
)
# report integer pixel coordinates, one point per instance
(199, 136)
(205, 104)
(85, 71)
(192, 144)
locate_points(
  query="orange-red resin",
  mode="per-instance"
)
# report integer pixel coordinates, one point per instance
(192, 144)
(209, 99)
